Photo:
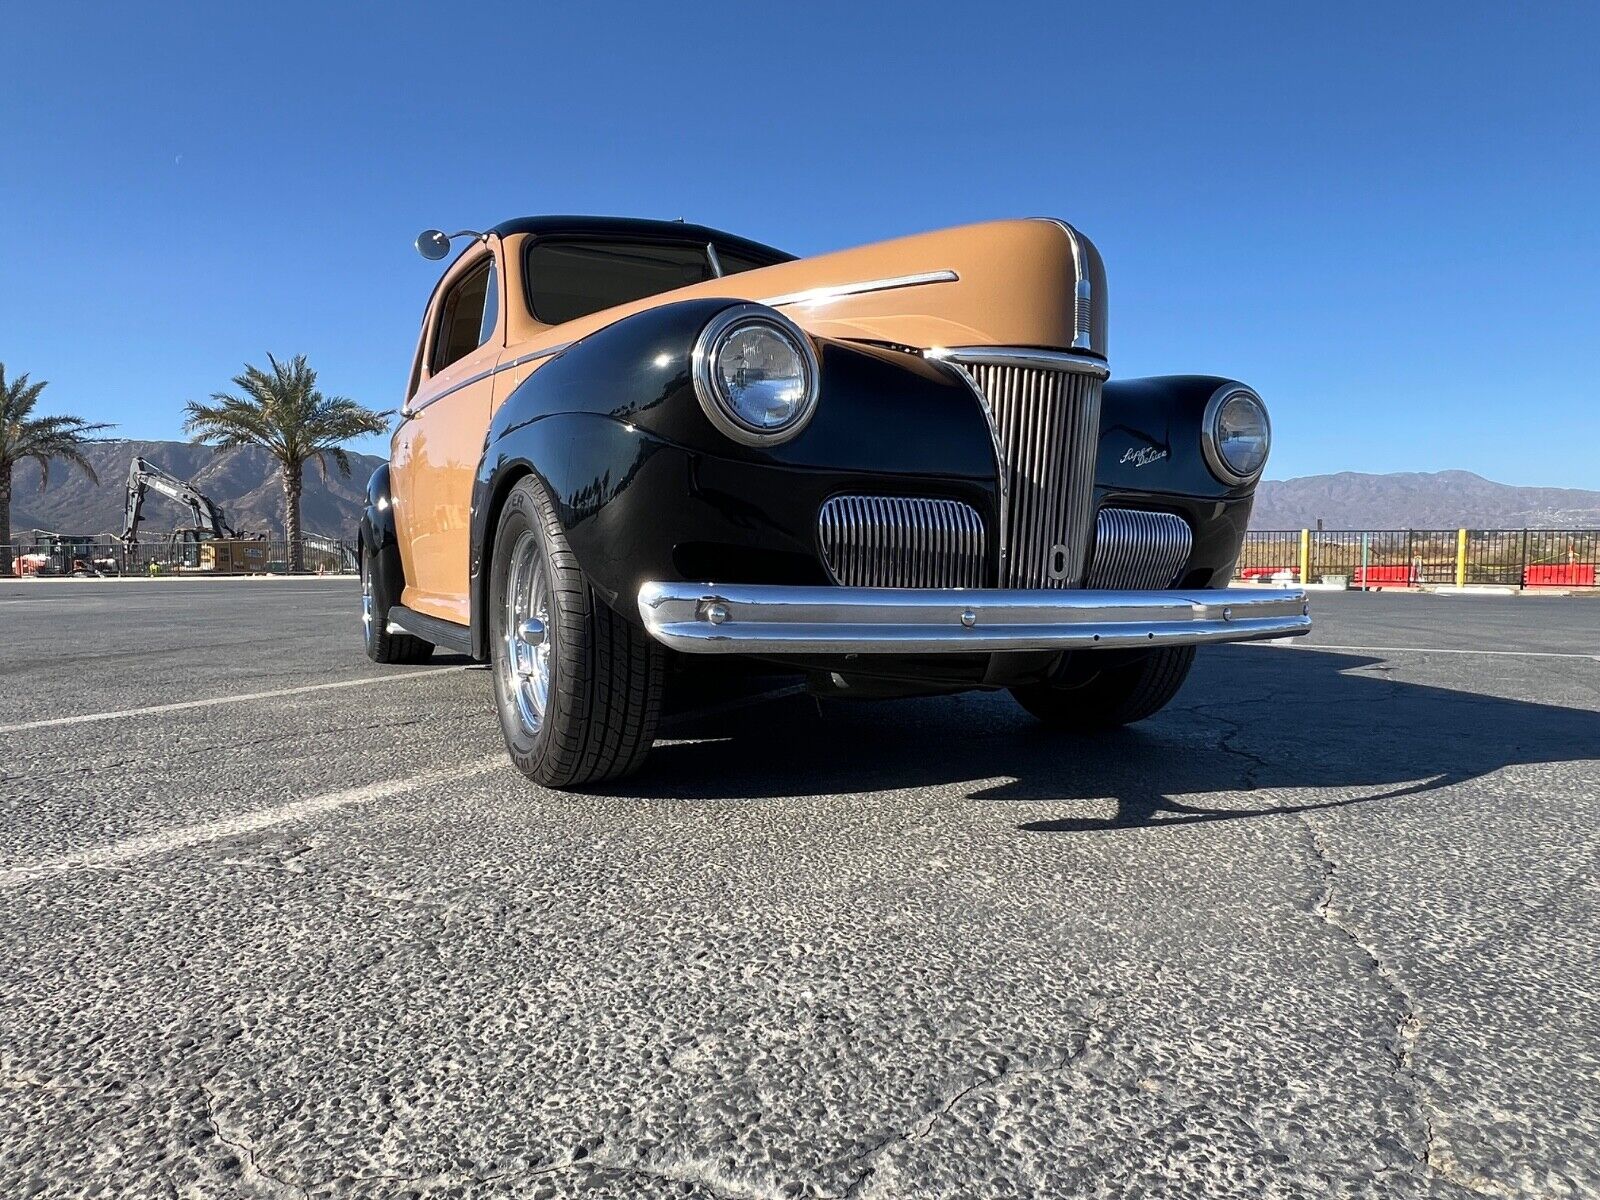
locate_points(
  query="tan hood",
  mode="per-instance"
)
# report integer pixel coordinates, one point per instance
(1002, 283)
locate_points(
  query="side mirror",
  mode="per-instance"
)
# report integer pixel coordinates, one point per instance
(433, 244)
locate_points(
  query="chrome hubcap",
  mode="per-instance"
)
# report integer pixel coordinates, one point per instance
(366, 603)
(525, 662)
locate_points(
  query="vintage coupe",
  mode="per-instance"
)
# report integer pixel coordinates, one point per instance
(630, 447)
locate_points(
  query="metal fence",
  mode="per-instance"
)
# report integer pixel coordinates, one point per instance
(48, 554)
(1521, 558)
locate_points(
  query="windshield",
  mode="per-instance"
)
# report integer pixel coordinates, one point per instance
(571, 278)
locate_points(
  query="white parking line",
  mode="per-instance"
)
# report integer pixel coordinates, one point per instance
(1298, 645)
(151, 844)
(178, 706)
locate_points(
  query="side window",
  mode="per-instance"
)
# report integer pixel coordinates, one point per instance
(491, 305)
(461, 318)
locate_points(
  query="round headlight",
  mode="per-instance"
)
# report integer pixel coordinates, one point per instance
(1236, 435)
(755, 373)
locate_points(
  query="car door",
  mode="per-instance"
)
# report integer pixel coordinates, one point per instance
(441, 438)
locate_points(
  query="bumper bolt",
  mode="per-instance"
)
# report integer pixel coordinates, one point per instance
(969, 618)
(716, 613)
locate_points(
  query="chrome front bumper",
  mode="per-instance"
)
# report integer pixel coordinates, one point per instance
(706, 618)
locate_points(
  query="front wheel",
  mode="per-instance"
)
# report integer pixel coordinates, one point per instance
(1104, 692)
(578, 688)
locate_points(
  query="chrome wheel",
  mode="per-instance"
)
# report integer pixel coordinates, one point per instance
(526, 666)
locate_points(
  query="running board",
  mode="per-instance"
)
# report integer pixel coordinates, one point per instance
(447, 635)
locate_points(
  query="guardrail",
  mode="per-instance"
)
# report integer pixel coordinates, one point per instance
(1378, 558)
(46, 554)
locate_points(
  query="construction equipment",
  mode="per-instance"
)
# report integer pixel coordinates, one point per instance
(145, 476)
(66, 554)
(208, 542)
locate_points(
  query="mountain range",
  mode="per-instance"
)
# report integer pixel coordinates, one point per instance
(245, 483)
(1416, 500)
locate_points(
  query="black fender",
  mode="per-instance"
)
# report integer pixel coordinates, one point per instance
(646, 487)
(1151, 456)
(379, 543)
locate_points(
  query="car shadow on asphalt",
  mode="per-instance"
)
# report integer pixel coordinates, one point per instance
(1264, 722)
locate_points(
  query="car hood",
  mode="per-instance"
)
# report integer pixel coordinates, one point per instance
(1033, 282)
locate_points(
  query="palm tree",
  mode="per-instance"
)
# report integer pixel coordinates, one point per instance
(282, 411)
(25, 436)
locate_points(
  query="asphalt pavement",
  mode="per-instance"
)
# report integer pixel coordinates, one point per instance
(276, 922)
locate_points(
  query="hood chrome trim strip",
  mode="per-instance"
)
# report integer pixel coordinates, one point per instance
(1082, 289)
(821, 295)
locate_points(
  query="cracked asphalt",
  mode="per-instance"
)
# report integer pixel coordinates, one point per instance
(1325, 927)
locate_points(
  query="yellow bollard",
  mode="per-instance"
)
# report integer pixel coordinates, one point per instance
(1461, 558)
(1305, 557)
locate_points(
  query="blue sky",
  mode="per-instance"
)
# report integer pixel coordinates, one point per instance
(1386, 217)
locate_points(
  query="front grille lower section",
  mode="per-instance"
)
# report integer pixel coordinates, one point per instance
(1047, 423)
(902, 542)
(1134, 549)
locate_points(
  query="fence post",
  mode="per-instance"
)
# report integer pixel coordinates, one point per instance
(1461, 558)
(1366, 560)
(1522, 579)
(1305, 557)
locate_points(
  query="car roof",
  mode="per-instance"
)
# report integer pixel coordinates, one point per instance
(677, 231)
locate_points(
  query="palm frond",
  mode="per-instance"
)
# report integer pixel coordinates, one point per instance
(41, 439)
(280, 409)
(17, 399)
(66, 454)
(62, 430)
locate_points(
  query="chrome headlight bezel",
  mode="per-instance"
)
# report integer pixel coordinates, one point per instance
(1220, 467)
(708, 387)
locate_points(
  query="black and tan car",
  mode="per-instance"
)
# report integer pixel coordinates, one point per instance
(632, 447)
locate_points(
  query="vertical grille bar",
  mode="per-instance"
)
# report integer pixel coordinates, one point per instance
(1048, 425)
(900, 541)
(1135, 549)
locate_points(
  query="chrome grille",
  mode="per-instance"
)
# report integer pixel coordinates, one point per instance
(1047, 423)
(900, 541)
(1134, 549)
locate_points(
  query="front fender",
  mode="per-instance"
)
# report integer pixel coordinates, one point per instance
(1150, 438)
(380, 544)
(879, 410)
(646, 487)
(1150, 456)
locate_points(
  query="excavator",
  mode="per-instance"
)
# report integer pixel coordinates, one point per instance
(208, 542)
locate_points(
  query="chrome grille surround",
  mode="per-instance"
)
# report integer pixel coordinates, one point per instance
(1044, 411)
(902, 542)
(1137, 549)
